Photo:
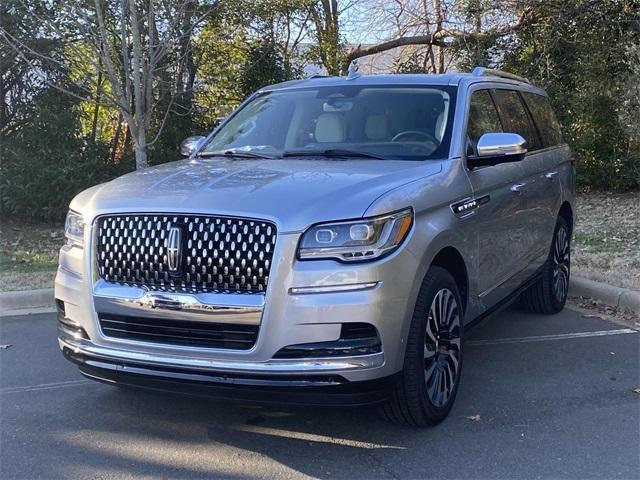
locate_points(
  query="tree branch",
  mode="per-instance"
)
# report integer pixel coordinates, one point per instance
(440, 38)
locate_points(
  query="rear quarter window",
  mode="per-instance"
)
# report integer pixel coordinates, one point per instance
(545, 119)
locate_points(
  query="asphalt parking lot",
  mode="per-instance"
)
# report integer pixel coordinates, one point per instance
(541, 397)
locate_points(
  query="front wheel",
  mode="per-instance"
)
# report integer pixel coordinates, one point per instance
(428, 385)
(549, 294)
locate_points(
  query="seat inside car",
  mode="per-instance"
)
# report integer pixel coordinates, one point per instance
(330, 128)
(376, 127)
(440, 125)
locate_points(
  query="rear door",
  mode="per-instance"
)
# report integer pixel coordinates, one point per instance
(552, 158)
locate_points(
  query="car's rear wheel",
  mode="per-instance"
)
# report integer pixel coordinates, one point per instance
(428, 385)
(549, 294)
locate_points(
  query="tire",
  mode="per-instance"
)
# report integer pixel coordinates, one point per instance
(549, 294)
(433, 357)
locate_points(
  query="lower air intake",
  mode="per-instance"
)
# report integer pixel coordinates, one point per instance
(179, 332)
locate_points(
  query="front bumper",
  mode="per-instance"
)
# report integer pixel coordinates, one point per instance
(297, 387)
(159, 360)
(306, 302)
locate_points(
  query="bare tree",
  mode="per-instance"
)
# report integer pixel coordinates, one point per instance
(406, 19)
(438, 25)
(130, 43)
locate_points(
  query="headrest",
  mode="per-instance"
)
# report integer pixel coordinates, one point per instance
(441, 123)
(377, 127)
(330, 128)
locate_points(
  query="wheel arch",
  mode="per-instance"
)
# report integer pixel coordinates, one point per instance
(450, 259)
(566, 212)
(450, 249)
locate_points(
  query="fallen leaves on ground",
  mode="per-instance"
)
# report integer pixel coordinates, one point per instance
(475, 418)
(605, 312)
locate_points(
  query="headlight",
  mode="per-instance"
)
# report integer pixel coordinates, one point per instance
(356, 240)
(74, 228)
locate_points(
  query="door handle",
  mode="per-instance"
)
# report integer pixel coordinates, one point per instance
(518, 188)
(551, 175)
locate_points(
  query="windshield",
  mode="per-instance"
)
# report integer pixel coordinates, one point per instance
(388, 122)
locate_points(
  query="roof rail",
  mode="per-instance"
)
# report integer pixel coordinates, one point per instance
(482, 71)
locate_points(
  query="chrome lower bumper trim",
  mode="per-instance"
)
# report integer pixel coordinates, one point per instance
(292, 366)
(212, 307)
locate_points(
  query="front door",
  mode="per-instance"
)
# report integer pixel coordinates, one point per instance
(499, 221)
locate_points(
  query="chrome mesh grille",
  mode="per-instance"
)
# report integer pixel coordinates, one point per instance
(214, 254)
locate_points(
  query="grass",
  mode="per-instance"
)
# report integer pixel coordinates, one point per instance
(606, 245)
(28, 254)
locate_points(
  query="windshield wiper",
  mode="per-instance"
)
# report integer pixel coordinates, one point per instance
(331, 153)
(234, 153)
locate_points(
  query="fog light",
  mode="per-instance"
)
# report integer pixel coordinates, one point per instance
(355, 339)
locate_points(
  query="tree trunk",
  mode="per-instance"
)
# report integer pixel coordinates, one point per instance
(115, 144)
(96, 108)
(325, 17)
(141, 151)
(127, 139)
(439, 57)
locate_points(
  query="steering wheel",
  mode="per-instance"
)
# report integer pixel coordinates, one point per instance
(427, 136)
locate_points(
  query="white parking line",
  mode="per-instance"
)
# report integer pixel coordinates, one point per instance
(312, 437)
(544, 338)
(46, 386)
(25, 312)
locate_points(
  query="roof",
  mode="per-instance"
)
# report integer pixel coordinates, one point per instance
(392, 79)
(395, 79)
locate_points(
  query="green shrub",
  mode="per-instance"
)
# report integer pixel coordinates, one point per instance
(45, 163)
(40, 188)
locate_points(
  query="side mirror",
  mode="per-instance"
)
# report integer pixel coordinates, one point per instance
(495, 148)
(190, 145)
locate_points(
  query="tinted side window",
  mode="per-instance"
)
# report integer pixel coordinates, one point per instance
(483, 117)
(546, 121)
(515, 118)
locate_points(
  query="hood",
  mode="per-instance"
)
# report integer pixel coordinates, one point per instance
(294, 193)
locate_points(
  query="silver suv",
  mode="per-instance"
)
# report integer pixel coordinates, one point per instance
(328, 242)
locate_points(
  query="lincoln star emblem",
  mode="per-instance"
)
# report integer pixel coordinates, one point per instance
(174, 243)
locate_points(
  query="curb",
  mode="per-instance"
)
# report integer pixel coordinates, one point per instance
(14, 302)
(617, 297)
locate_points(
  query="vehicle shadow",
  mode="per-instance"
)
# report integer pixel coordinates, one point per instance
(318, 442)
